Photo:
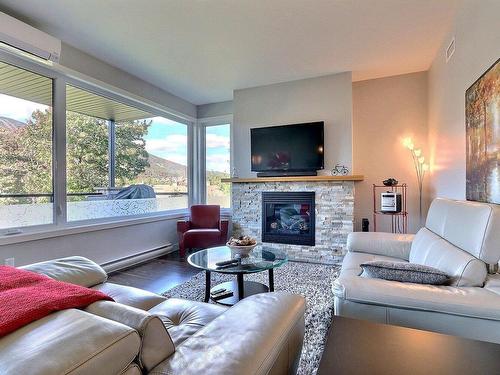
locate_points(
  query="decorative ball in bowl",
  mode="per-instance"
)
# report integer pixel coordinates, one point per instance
(241, 245)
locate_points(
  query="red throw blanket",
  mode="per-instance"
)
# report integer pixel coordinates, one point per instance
(27, 296)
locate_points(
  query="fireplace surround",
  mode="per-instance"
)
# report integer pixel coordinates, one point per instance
(288, 218)
(333, 209)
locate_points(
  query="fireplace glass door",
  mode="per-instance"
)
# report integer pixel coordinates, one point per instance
(288, 218)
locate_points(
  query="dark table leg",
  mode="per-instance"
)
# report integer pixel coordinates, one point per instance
(271, 280)
(241, 291)
(207, 286)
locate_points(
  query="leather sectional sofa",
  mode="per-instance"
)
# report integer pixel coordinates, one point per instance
(460, 238)
(144, 333)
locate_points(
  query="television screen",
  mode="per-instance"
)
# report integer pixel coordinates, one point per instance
(297, 147)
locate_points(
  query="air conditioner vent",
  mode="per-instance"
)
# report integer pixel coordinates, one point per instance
(26, 38)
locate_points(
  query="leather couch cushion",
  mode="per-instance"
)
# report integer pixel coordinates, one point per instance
(76, 270)
(467, 301)
(261, 334)
(388, 244)
(352, 260)
(69, 342)
(202, 237)
(431, 250)
(132, 369)
(184, 318)
(205, 216)
(127, 295)
(471, 226)
(156, 343)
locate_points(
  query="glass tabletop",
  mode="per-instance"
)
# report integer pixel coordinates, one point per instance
(261, 258)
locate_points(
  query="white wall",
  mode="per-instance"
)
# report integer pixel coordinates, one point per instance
(102, 246)
(385, 111)
(327, 98)
(477, 34)
(214, 109)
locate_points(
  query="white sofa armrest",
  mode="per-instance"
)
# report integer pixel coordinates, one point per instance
(387, 244)
(156, 342)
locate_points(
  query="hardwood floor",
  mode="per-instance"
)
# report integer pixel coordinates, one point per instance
(157, 275)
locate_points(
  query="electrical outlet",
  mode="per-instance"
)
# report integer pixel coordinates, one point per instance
(10, 262)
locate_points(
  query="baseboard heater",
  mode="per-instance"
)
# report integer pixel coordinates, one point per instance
(134, 259)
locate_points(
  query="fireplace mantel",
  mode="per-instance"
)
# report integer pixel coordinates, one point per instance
(295, 179)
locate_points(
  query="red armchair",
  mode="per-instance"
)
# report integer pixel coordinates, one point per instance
(203, 229)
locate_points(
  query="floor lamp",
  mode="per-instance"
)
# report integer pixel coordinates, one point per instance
(420, 168)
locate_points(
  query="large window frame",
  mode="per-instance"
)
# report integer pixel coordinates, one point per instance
(61, 77)
(204, 123)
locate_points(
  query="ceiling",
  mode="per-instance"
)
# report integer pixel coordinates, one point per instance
(201, 50)
(30, 86)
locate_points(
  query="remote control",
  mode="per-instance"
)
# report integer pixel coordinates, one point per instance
(222, 295)
(226, 262)
(227, 266)
(217, 291)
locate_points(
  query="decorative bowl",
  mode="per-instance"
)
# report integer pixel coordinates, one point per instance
(241, 250)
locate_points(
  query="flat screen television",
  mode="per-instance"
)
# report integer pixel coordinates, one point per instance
(295, 149)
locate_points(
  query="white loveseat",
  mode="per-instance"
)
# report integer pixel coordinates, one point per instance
(459, 238)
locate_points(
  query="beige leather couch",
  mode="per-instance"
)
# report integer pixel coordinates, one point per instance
(459, 238)
(145, 333)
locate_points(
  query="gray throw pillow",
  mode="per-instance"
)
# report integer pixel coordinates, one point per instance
(404, 272)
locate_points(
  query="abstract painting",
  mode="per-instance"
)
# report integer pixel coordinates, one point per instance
(482, 128)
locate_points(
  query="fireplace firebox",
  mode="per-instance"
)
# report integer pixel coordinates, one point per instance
(288, 218)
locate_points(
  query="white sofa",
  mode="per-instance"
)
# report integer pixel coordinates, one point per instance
(145, 333)
(459, 238)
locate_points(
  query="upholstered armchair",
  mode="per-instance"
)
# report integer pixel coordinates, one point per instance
(203, 229)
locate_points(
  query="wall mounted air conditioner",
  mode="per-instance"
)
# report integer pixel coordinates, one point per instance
(28, 39)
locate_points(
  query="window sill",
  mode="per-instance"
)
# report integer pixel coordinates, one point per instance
(89, 226)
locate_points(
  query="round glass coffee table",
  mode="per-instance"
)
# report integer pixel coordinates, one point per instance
(261, 258)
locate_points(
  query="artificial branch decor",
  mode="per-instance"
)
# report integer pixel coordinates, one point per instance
(420, 168)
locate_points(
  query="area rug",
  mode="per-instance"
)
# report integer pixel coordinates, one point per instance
(313, 281)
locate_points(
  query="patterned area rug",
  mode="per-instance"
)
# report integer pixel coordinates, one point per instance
(313, 281)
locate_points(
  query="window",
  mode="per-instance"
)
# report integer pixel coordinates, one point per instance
(112, 146)
(26, 183)
(124, 157)
(218, 164)
(158, 159)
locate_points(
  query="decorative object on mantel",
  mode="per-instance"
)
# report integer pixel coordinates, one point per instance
(420, 168)
(340, 170)
(390, 182)
(482, 121)
(235, 173)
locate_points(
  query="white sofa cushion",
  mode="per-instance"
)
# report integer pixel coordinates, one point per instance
(69, 342)
(75, 270)
(130, 296)
(431, 250)
(471, 226)
(388, 244)
(467, 301)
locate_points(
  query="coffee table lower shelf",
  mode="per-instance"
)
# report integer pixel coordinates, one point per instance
(239, 287)
(249, 288)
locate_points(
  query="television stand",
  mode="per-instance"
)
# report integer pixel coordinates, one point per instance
(285, 173)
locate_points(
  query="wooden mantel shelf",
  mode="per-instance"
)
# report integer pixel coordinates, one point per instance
(296, 179)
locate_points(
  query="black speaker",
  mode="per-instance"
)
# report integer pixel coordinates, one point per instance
(365, 225)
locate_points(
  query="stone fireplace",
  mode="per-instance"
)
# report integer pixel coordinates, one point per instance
(288, 218)
(331, 218)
